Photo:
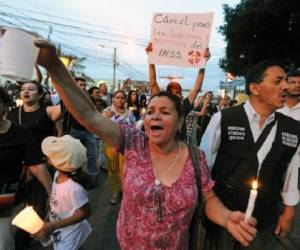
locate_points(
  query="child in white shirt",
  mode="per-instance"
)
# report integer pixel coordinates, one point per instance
(69, 204)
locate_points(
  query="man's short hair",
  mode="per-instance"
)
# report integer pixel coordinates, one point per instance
(256, 73)
(101, 84)
(91, 89)
(79, 79)
(294, 73)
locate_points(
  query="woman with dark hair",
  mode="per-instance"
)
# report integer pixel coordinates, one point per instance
(159, 188)
(18, 150)
(143, 110)
(133, 103)
(40, 119)
(205, 110)
(143, 104)
(143, 101)
(120, 114)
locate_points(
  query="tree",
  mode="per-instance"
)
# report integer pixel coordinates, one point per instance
(256, 30)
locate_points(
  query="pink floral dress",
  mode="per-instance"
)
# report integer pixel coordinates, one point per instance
(137, 225)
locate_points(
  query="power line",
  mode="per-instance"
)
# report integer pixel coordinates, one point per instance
(110, 37)
(123, 33)
(83, 48)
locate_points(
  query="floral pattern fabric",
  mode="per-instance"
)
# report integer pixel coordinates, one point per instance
(137, 226)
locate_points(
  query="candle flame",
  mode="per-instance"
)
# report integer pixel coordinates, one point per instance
(254, 185)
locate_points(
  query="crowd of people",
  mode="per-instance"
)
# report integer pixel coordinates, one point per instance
(142, 140)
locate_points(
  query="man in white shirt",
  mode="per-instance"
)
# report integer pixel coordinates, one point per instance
(292, 108)
(105, 96)
(230, 137)
(292, 101)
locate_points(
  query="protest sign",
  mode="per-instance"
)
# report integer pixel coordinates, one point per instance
(180, 39)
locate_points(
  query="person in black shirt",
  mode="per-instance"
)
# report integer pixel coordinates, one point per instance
(18, 149)
(252, 142)
(94, 93)
(33, 114)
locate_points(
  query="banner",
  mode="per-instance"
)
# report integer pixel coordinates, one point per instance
(180, 39)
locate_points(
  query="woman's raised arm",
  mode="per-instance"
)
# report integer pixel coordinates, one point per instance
(154, 88)
(76, 101)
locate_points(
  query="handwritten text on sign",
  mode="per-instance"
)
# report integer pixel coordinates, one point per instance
(180, 39)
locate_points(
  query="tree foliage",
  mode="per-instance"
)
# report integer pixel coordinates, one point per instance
(256, 30)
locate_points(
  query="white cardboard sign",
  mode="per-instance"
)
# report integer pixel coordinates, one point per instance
(180, 39)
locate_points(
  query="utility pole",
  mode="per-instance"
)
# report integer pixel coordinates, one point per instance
(114, 66)
(46, 81)
(50, 32)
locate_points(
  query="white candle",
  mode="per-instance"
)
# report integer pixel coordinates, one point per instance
(251, 201)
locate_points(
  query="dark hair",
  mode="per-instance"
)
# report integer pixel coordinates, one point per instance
(4, 97)
(174, 98)
(257, 72)
(79, 79)
(208, 92)
(43, 92)
(294, 73)
(129, 101)
(119, 91)
(173, 85)
(136, 104)
(40, 88)
(91, 90)
(143, 101)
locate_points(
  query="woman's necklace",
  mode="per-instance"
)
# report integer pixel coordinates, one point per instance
(158, 180)
(158, 194)
(120, 111)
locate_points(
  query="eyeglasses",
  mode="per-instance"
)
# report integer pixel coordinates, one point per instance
(154, 202)
(158, 202)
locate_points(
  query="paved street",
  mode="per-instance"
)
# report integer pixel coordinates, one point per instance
(103, 220)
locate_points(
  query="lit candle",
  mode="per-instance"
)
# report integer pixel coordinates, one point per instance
(28, 220)
(251, 201)
(19, 102)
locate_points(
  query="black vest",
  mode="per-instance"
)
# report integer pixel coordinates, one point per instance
(236, 143)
